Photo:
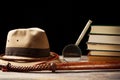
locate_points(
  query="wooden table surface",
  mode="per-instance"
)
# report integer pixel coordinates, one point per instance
(63, 75)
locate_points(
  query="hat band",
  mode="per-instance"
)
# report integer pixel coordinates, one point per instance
(27, 52)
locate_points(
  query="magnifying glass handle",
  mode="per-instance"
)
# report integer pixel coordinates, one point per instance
(83, 32)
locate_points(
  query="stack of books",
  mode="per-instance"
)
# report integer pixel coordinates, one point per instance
(104, 43)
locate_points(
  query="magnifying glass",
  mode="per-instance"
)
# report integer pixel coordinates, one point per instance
(72, 52)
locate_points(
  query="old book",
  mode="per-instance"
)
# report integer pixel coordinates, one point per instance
(100, 46)
(104, 53)
(108, 39)
(103, 58)
(105, 29)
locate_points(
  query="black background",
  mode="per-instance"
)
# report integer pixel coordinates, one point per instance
(62, 21)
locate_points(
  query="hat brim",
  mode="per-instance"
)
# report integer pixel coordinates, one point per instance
(25, 61)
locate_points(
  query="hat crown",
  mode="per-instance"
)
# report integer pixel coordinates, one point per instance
(27, 38)
(30, 42)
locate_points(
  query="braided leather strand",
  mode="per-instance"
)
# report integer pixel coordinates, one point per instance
(47, 65)
(40, 67)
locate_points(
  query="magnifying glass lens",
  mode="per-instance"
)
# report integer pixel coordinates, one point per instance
(71, 53)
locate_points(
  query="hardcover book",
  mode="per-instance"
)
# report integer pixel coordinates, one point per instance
(105, 29)
(108, 39)
(100, 46)
(104, 53)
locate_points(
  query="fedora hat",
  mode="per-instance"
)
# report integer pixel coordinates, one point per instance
(27, 46)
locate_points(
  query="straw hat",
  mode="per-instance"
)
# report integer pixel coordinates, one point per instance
(27, 46)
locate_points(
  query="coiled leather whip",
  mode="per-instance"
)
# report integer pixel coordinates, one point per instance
(53, 66)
